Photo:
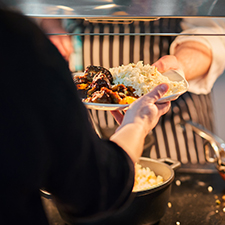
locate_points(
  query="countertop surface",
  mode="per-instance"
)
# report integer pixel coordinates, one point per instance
(196, 198)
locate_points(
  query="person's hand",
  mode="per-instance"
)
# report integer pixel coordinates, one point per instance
(192, 59)
(141, 117)
(145, 110)
(62, 42)
(168, 62)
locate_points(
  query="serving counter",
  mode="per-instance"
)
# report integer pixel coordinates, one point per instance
(196, 199)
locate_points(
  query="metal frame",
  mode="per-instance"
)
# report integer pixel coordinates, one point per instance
(114, 9)
(133, 34)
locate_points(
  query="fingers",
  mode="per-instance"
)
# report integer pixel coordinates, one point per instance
(166, 63)
(157, 92)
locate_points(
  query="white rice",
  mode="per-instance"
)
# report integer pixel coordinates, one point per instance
(143, 78)
(145, 178)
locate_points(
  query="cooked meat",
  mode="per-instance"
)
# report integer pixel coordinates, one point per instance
(80, 79)
(100, 80)
(105, 95)
(82, 86)
(114, 96)
(91, 71)
(119, 88)
(99, 97)
(96, 85)
(130, 92)
(123, 90)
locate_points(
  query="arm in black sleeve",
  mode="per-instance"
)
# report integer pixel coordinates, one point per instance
(49, 124)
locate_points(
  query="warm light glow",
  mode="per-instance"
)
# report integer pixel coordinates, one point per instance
(64, 7)
(215, 147)
(105, 6)
(210, 189)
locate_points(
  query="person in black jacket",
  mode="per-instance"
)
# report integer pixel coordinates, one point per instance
(47, 141)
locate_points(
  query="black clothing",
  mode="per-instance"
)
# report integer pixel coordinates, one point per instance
(46, 138)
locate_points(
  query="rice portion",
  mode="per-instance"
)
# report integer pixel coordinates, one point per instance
(145, 178)
(143, 78)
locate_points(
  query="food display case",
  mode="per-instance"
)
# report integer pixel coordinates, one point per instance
(122, 9)
(119, 10)
(198, 196)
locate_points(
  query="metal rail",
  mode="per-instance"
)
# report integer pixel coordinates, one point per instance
(133, 34)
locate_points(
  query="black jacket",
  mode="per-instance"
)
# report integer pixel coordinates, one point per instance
(46, 140)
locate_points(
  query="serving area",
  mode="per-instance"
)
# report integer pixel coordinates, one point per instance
(196, 198)
(197, 193)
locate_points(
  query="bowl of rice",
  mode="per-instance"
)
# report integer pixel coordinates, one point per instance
(145, 178)
(151, 191)
(150, 196)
